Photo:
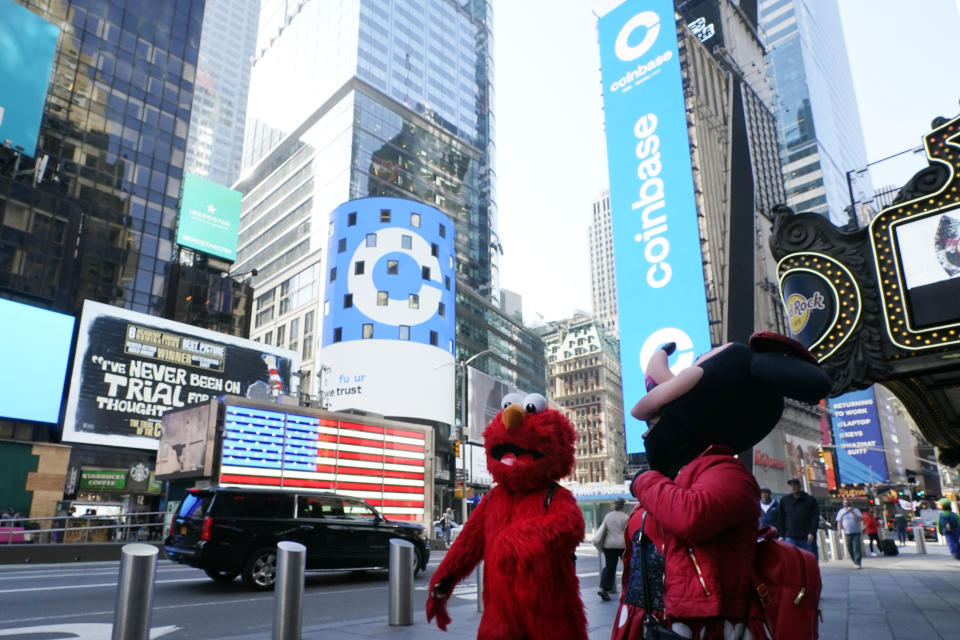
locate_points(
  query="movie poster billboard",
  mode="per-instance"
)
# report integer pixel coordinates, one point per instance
(856, 432)
(130, 368)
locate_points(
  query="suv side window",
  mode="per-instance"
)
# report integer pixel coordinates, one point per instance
(195, 505)
(248, 505)
(314, 507)
(358, 511)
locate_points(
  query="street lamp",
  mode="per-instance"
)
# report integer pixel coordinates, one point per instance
(462, 368)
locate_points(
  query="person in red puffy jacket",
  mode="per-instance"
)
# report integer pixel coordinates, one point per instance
(698, 506)
(871, 527)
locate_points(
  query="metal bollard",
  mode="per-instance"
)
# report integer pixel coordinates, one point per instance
(401, 583)
(919, 536)
(288, 590)
(138, 568)
(822, 545)
(479, 571)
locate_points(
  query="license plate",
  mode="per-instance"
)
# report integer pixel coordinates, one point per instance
(183, 531)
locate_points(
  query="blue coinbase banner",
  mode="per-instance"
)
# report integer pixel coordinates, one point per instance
(27, 45)
(656, 242)
(856, 433)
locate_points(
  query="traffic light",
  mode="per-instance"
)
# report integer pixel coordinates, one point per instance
(456, 448)
(820, 454)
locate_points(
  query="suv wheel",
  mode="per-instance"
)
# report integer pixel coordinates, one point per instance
(221, 576)
(260, 572)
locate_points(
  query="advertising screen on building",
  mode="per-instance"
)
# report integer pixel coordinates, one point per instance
(856, 433)
(929, 253)
(209, 219)
(27, 46)
(484, 395)
(656, 242)
(187, 442)
(35, 349)
(382, 463)
(130, 368)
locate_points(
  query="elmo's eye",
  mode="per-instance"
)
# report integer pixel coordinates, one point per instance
(509, 399)
(534, 403)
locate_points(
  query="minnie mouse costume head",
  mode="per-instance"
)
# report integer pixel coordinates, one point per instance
(732, 395)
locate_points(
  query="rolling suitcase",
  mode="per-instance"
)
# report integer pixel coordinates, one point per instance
(888, 547)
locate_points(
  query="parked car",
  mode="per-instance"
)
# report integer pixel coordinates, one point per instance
(232, 531)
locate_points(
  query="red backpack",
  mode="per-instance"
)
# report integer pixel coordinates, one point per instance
(787, 580)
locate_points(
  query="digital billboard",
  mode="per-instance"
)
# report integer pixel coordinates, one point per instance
(27, 46)
(209, 219)
(381, 462)
(856, 433)
(35, 349)
(389, 318)
(484, 396)
(130, 368)
(186, 442)
(929, 252)
(656, 241)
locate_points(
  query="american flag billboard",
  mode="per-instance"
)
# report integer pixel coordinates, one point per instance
(384, 463)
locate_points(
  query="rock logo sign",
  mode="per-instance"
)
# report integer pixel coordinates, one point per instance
(799, 308)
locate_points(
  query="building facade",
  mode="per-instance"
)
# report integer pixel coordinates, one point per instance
(603, 283)
(227, 45)
(815, 105)
(583, 365)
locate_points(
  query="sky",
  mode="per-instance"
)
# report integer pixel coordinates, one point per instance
(551, 157)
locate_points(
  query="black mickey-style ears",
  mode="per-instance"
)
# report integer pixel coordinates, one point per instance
(791, 376)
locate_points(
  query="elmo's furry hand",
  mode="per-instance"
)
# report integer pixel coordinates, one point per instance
(437, 604)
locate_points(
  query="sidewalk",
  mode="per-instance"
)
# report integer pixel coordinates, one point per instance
(907, 597)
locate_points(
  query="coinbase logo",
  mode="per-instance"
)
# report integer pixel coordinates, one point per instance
(685, 353)
(649, 21)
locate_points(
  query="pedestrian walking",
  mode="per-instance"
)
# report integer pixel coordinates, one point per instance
(949, 526)
(611, 543)
(850, 521)
(900, 524)
(768, 508)
(447, 525)
(799, 517)
(871, 527)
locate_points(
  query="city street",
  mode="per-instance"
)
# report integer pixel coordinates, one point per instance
(910, 596)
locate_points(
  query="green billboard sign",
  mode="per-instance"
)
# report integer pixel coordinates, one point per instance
(209, 217)
(103, 479)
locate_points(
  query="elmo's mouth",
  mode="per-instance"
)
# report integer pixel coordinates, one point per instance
(511, 454)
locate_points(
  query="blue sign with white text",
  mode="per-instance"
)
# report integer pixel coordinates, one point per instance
(656, 242)
(27, 46)
(856, 432)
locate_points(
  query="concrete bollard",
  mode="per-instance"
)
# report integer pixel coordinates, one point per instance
(401, 583)
(822, 546)
(288, 591)
(919, 536)
(836, 547)
(479, 571)
(138, 568)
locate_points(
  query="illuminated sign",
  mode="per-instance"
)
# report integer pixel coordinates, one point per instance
(27, 46)
(209, 219)
(100, 479)
(659, 272)
(384, 465)
(35, 344)
(856, 432)
(130, 368)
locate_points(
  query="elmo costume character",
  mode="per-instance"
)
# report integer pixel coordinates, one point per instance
(698, 507)
(525, 531)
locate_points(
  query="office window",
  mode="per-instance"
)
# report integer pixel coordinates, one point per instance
(358, 267)
(341, 245)
(337, 334)
(326, 307)
(441, 310)
(446, 282)
(347, 300)
(281, 333)
(404, 332)
(384, 215)
(434, 249)
(433, 338)
(333, 274)
(406, 242)
(368, 330)
(414, 301)
(414, 219)
(352, 219)
(393, 267)
(371, 239)
(382, 297)
(425, 273)
(268, 337)
(443, 231)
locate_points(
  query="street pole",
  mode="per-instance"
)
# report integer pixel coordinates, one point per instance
(464, 435)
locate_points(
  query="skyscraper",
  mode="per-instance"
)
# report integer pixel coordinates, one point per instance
(227, 45)
(603, 284)
(815, 106)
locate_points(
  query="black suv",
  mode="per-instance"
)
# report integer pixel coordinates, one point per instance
(231, 531)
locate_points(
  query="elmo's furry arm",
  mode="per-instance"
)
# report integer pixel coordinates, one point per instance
(464, 555)
(555, 532)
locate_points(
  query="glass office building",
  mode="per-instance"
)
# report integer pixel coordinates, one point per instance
(99, 224)
(816, 108)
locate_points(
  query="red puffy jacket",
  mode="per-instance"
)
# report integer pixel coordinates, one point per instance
(705, 524)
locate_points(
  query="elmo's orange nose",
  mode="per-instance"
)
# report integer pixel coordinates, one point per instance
(512, 416)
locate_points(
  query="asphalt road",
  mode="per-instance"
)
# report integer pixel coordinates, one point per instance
(48, 602)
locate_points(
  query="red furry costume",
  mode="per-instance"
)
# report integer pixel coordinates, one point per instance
(531, 589)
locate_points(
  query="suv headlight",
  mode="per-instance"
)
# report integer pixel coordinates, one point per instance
(422, 534)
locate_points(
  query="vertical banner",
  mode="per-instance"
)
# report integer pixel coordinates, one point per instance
(656, 241)
(856, 431)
